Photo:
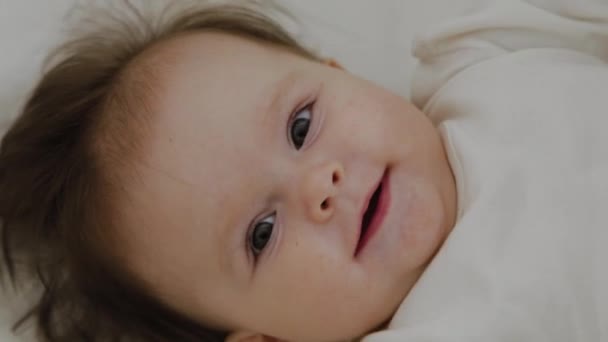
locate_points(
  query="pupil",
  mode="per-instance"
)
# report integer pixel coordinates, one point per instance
(299, 131)
(261, 235)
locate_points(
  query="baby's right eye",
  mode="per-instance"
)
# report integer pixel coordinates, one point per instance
(260, 234)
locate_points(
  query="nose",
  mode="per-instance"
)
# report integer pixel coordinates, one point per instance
(320, 187)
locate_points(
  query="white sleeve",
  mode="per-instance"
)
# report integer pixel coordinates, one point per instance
(498, 27)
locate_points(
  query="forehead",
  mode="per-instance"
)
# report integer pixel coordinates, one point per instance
(217, 91)
(213, 54)
(220, 78)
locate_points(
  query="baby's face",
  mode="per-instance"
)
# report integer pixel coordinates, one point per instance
(256, 177)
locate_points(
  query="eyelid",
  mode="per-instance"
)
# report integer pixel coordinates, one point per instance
(308, 103)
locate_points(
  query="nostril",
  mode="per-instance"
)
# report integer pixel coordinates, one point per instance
(324, 205)
(336, 177)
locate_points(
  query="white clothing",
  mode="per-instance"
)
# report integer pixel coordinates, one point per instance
(519, 91)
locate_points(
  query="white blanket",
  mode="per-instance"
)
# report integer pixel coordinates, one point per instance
(519, 90)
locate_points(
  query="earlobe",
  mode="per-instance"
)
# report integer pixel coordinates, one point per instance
(245, 336)
(333, 63)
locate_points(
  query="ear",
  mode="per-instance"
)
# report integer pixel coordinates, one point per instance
(246, 336)
(333, 63)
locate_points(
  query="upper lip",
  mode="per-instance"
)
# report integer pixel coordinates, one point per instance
(364, 208)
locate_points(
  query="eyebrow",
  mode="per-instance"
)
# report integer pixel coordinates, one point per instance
(230, 255)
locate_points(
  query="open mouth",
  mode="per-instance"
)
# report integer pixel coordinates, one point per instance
(371, 210)
(374, 213)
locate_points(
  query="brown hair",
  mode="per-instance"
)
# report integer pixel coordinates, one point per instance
(67, 154)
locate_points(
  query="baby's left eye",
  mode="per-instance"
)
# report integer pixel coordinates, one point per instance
(260, 235)
(299, 126)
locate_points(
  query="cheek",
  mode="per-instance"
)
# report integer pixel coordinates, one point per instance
(360, 126)
(308, 259)
(317, 299)
(308, 281)
(303, 284)
(381, 112)
(310, 262)
(422, 224)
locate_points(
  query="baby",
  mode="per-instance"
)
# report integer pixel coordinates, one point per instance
(209, 178)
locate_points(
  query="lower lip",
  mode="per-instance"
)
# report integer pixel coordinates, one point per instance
(381, 210)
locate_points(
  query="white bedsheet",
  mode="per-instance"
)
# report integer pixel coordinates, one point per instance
(370, 38)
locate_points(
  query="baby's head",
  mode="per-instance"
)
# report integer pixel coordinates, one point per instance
(211, 177)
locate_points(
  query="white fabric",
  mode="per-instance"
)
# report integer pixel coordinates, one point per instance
(519, 90)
